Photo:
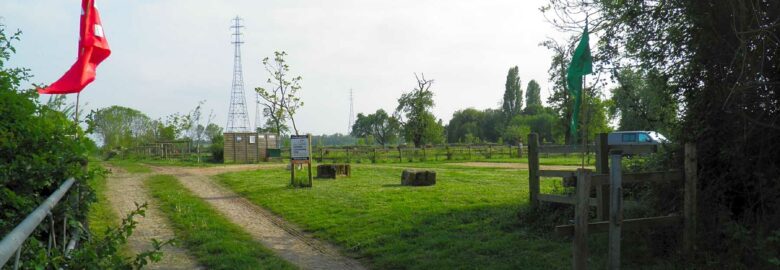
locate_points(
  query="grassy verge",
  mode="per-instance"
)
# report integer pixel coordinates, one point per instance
(467, 220)
(100, 216)
(214, 241)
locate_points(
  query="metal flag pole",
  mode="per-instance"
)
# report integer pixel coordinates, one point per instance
(584, 122)
(86, 10)
(76, 113)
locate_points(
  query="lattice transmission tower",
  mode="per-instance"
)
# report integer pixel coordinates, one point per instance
(238, 119)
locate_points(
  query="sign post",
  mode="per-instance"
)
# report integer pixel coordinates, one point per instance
(300, 153)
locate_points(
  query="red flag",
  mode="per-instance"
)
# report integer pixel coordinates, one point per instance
(93, 49)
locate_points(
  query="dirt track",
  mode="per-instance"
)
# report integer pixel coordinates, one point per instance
(276, 234)
(123, 191)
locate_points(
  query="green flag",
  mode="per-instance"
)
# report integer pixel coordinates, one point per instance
(581, 65)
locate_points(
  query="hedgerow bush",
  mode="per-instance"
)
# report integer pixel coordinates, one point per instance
(41, 147)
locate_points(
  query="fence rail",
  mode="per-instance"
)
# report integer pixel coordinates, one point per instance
(13, 241)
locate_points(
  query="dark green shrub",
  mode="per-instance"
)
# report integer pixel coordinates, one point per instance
(217, 149)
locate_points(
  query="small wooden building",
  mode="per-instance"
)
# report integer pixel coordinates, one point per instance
(248, 147)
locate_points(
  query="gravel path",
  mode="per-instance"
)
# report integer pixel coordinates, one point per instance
(123, 191)
(272, 231)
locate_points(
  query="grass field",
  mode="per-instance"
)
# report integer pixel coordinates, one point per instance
(467, 220)
(213, 240)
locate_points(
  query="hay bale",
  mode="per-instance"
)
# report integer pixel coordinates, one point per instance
(418, 178)
(333, 171)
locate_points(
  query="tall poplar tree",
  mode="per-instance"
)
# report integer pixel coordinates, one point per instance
(513, 95)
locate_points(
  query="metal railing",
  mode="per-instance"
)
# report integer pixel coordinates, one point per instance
(13, 241)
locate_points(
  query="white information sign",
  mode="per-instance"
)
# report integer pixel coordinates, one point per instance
(299, 147)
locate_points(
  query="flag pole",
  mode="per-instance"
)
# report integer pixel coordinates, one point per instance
(584, 122)
(584, 117)
(86, 10)
(76, 114)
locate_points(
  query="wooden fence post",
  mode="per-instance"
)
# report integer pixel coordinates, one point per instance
(581, 209)
(689, 199)
(615, 210)
(602, 167)
(520, 150)
(400, 158)
(533, 169)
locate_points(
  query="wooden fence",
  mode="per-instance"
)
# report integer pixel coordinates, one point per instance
(607, 182)
(412, 154)
(163, 149)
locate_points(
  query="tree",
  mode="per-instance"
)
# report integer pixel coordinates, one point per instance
(362, 126)
(120, 127)
(212, 131)
(721, 57)
(643, 101)
(272, 125)
(472, 125)
(197, 130)
(595, 115)
(492, 125)
(559, 100)
(533, 99)
(380, 126)
(513, 95)
(543, 123)
(281, 101)
(465, 124)
(420, 125)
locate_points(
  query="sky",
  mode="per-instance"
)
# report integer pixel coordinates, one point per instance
(167, 55)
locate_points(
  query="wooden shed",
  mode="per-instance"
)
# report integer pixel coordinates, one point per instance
(248, 147)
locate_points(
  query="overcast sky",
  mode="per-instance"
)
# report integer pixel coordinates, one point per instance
(169, 54)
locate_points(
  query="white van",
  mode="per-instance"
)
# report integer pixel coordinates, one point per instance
(636, 138)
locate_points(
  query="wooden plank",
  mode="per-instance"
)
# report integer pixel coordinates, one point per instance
(533, 168)
(628, 224)
(689, 199)
(562, 199)
(634, 149)
(615, 211)
(602, 167)
(556, 173)
(564, 149)
(581, 209)
(631, 178)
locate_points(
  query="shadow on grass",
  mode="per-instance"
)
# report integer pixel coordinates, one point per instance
(495, 237)
(394, 185)
(488, 237)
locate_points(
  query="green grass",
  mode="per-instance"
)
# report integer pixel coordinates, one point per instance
(467, 220)
(176, 162)
(100, 216)
(131, 166)
(213, 240)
